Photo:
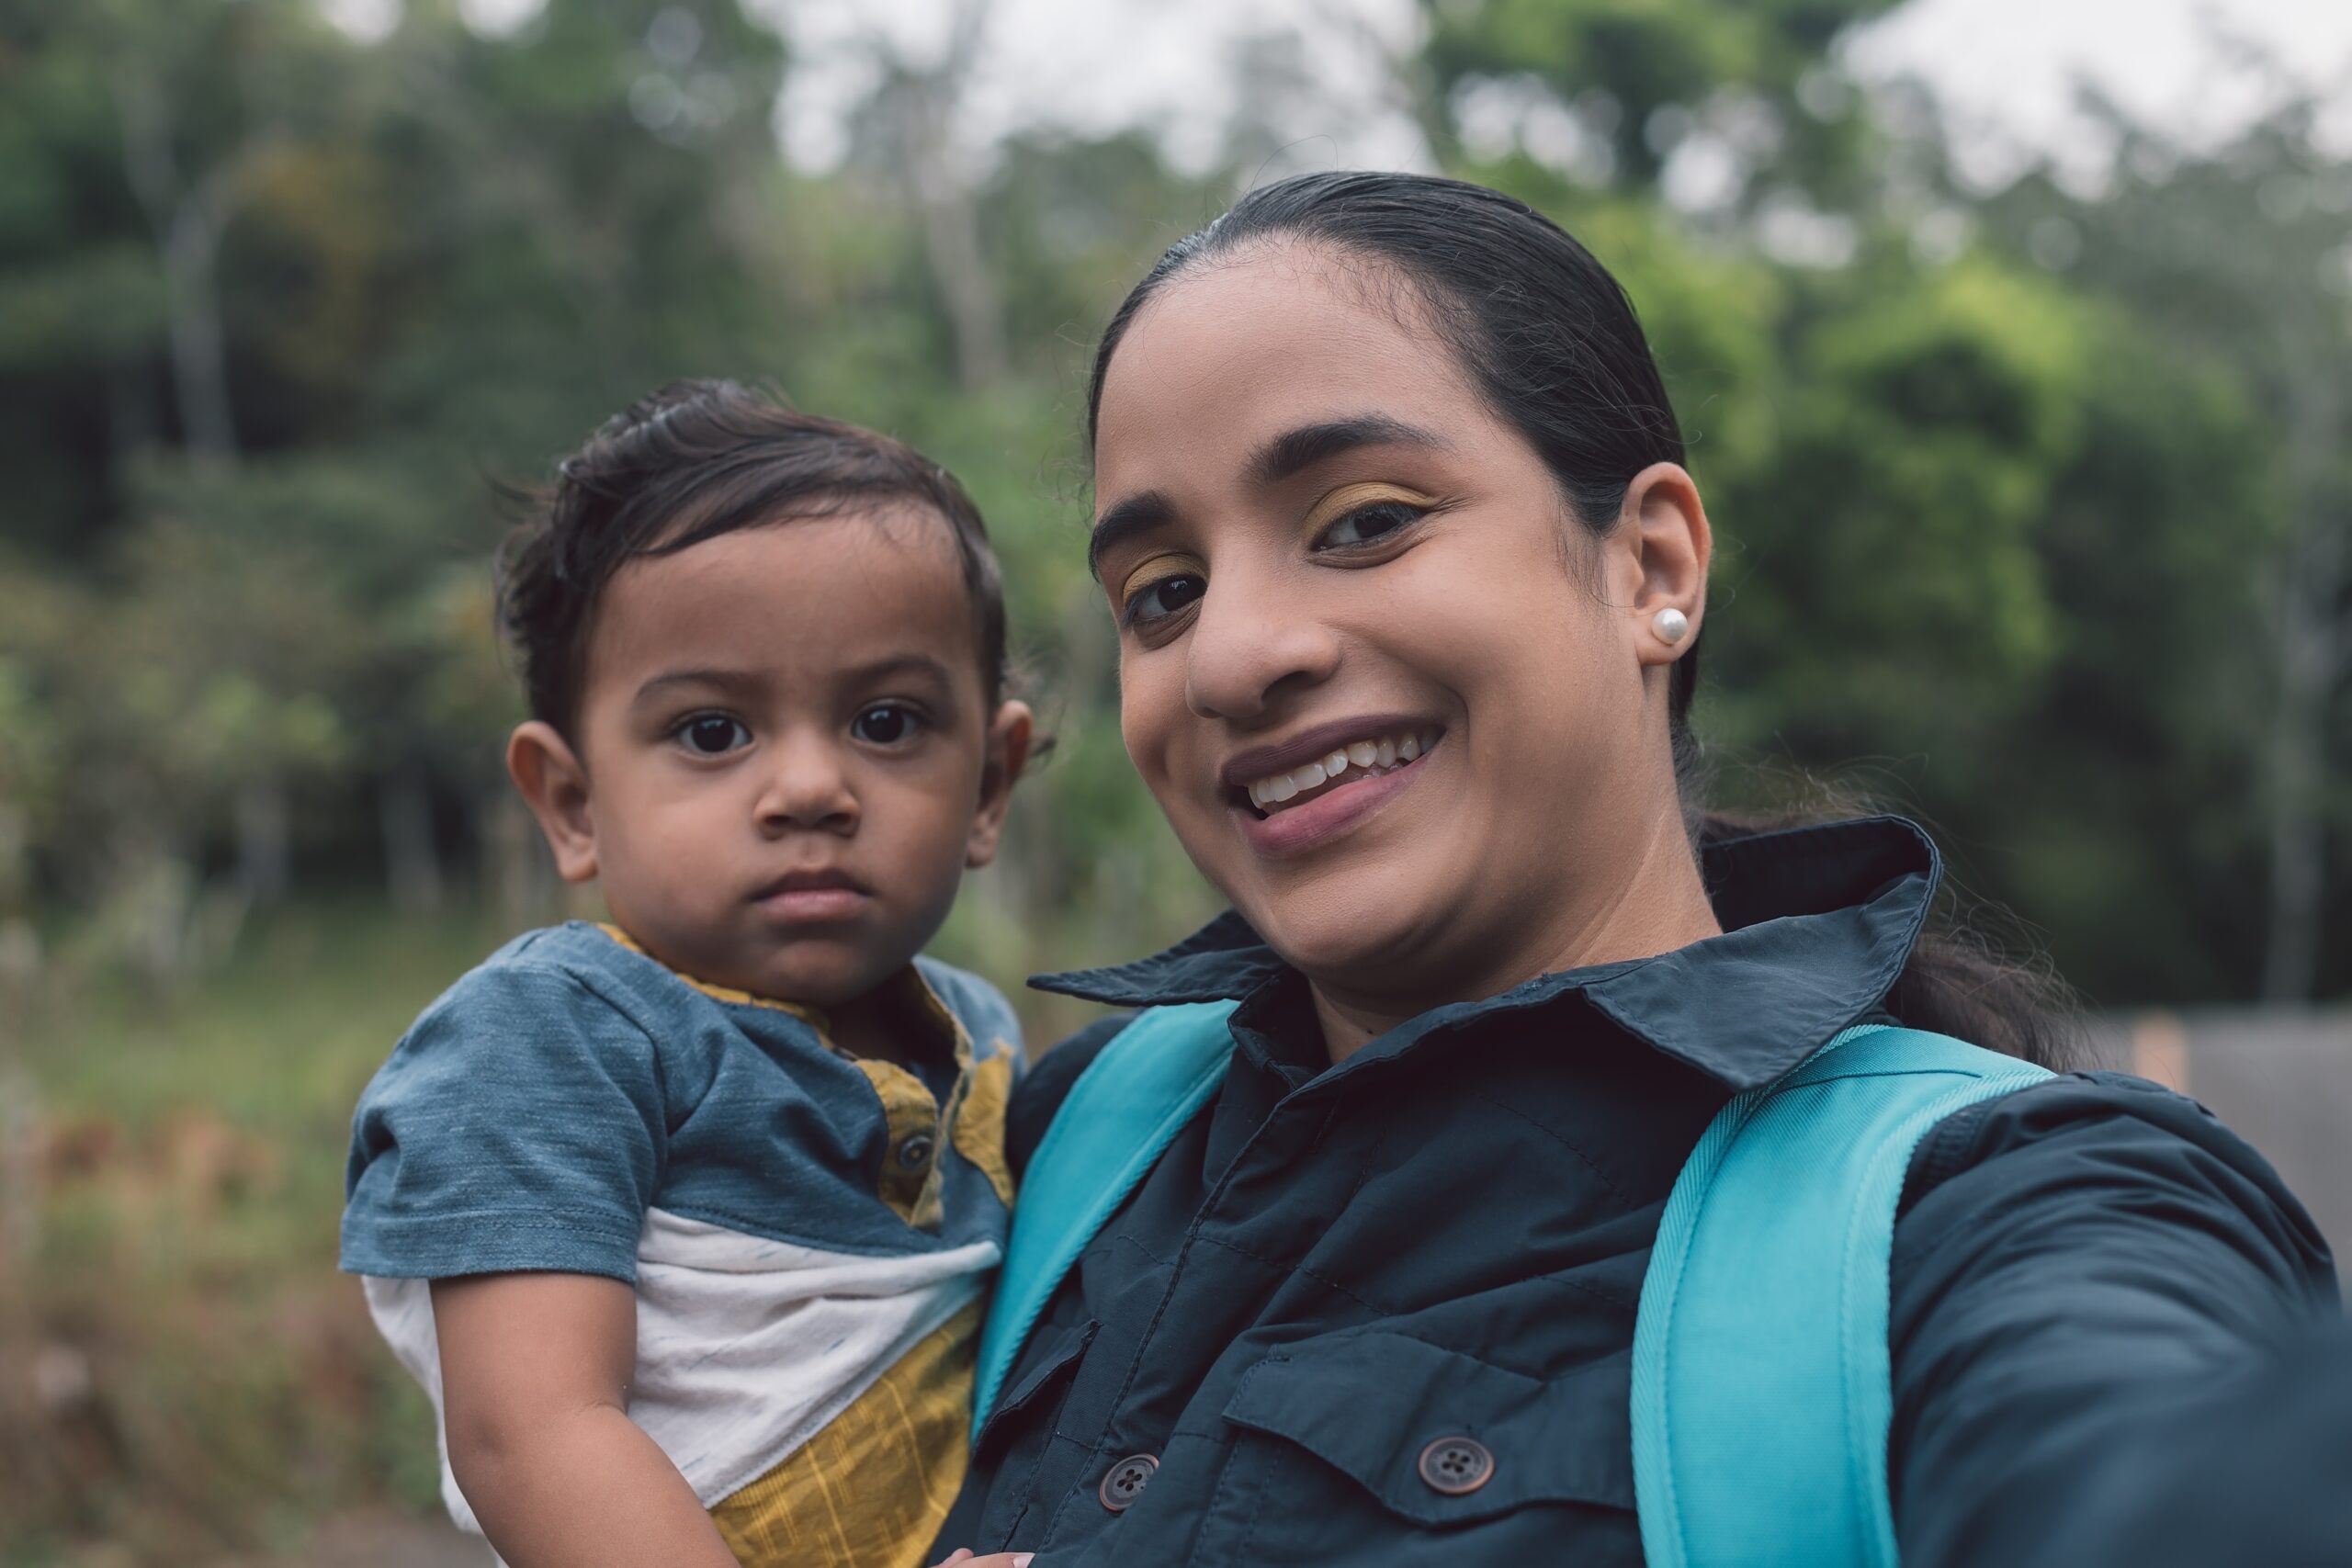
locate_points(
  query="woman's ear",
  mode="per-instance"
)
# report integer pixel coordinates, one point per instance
(1666, 546)
(555, 785)
(1008, 752)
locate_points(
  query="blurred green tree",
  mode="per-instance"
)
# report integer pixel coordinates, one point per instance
(2234, 266)
(277, 305)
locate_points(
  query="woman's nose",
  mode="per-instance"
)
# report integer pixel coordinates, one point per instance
(1250, 645)
(807, 787)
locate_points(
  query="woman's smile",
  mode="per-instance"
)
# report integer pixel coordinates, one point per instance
(1286, 805)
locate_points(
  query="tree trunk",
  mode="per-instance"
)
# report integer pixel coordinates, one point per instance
(411, 855)
(264, 838)
(524, 887)
(199, 356)
(188, 221)
(2310, 659)
(925, 110)
(951, 233)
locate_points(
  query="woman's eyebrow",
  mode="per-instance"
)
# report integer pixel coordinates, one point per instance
(1133, 515)
(1294, 451)
(1290, 453)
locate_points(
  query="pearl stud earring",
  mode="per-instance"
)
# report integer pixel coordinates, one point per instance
(1672, 625)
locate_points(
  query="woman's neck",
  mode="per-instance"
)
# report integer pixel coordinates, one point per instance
(1652, 901)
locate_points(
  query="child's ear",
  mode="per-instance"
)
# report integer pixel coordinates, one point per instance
(1660, 561)
(1008, 752)
(555, 785)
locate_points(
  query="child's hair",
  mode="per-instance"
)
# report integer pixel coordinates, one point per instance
(694, 460)
(1552, 342)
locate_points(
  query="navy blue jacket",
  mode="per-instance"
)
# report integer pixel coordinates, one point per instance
(1447, 1234)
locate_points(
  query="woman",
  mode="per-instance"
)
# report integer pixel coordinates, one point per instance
(1409, 579)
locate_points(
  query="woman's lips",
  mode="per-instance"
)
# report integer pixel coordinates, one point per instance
(1295, 830)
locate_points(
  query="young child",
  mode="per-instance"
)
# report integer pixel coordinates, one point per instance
(683, 1220)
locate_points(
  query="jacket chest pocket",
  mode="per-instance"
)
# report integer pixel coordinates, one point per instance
(1377, 1448)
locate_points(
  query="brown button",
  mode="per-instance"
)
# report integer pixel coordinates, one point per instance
(1126, 1481)
(914, 1151)
(1456, 1465)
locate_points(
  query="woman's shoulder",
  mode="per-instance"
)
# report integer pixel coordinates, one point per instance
(2099, 1142)
(2086, 1232)
(2075, 1265)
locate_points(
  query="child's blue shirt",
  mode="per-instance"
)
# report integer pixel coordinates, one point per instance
(808, 1232)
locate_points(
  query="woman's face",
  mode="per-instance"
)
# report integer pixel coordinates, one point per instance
(1398, 706)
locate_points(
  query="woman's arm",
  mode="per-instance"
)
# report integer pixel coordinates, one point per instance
(535, 1372)
(2090, 1278)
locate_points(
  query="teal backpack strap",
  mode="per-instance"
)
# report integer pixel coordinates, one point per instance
(1122, 1113)
(1762, 1389)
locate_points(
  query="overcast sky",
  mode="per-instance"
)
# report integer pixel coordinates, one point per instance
(2005, 68)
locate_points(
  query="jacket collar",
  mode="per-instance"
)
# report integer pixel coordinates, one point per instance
(1818, 922)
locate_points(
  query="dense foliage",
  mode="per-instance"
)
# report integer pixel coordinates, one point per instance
(2035, 506)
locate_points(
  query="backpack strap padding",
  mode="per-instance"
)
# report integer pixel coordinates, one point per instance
(1126, 1108)
(1762, 1381)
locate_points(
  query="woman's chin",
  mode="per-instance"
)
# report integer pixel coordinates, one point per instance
(1377, 952)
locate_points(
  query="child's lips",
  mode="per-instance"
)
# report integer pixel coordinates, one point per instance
(813, 898)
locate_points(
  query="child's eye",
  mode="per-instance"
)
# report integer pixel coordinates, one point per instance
(1370, 525)
(1165, 595)
(885, 723)
(713, 734)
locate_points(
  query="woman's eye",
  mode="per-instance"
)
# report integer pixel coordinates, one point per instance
(1165, 597)
(713, 735)
(884, 723)
(1370, 525)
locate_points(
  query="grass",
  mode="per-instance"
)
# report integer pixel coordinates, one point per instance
(184, 1378)
(183, 1373)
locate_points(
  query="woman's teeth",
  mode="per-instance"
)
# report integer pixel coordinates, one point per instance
(1370, 758)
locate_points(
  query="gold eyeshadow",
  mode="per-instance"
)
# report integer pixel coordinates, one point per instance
(1351, 498)
(1159, 569)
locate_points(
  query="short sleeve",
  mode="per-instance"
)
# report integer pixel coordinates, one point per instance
(518, 1125)
(2082, 1270)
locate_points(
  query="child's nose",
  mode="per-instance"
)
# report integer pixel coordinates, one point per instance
(807, 787)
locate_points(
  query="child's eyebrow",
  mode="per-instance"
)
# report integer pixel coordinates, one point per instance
(741, 682)
(922, 664)
(724, 680)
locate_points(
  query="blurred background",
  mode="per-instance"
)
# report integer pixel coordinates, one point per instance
(2011, 340)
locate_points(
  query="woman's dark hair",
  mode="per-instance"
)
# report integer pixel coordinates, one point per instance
(1552, 342)
(694, 460)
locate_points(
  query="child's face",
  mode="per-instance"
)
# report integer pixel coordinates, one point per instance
(1325, 546)
(785, 758)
